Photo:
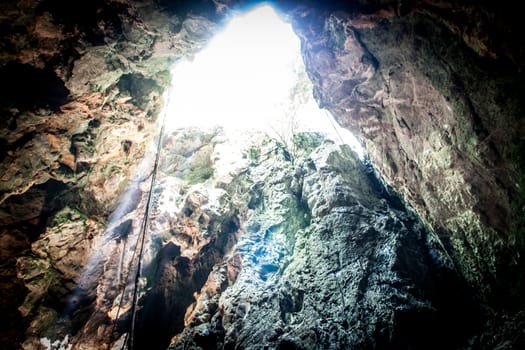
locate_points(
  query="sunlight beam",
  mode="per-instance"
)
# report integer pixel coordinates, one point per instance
(245, 80)
(240, 78)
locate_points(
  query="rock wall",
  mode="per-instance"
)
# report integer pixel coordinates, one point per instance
(275, 253)
(440, 119)
(328, 262)
(82, 85)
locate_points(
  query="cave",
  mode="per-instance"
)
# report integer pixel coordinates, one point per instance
(150, 202)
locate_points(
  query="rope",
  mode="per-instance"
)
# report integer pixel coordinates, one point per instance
(333, 125)
(145, 223)
(123, 291)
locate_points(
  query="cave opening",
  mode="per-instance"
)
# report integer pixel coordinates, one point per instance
(251, 77)
(248, 87)
(261, 228)
(249, 84)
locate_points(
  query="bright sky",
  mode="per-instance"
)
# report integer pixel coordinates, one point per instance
(242, 79)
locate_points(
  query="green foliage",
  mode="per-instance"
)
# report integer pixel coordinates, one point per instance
(60, 219)
(198, 174)
(254, 154)
(109, 169)
(307, 141)
(67, 215)
(200, 170)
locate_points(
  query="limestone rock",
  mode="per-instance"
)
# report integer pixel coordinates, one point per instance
(424, 120)
(334, 266)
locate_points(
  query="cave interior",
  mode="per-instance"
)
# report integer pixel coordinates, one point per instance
(394, 218)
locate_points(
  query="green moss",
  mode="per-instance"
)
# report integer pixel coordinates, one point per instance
(307, 141)
(111, 169)
(200, 168)
(198, 174)
(40, 276)
(254, 154)
(67, 215)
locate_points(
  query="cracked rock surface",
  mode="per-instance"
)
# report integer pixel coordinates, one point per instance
(327, 262)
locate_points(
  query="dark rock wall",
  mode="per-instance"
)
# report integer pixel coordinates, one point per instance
(440, 118)
(81, 86)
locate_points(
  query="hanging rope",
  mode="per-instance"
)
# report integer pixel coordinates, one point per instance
(139, 246)
(144, 229)
(121, 302)
(333, 125)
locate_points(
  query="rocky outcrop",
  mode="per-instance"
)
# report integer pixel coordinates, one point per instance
(436, 124)
(82, 278)
(82, 85)
(274, 253)
(328, 262)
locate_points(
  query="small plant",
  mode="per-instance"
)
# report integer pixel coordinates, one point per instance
(68, 215)
(199, 174)
(200, 169)
(61, 218)
(285, 130)
(307, 141)
(254, 154)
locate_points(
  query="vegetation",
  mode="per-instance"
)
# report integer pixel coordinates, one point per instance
(199, 174)
(67, 215)
(307, 141)
(200, 170)
(285, 130)
(254, 154)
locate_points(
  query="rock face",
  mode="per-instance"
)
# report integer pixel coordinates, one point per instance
(284, 251)
(279, 254)
(425, 105)
(328, 262)
(82, 86)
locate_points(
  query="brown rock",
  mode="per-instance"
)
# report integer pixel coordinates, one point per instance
(54, 141)
(68, 160)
